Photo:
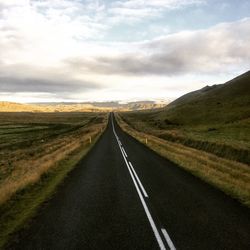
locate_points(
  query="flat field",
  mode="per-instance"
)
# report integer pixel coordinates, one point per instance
(221, 159)
(37, 151)
(228, 140)
(32, 143)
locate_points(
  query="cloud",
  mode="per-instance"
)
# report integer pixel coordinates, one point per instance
(46, 85)
(139, 9)
(35, 36)
(9, 3)
(26, 78)
(56, 20)
(167, 4)
(46, 30)
(63, 48)
(220, 48)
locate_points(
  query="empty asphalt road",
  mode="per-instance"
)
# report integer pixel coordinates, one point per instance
(124, 196)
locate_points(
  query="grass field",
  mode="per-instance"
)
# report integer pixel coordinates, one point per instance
(214, 119)
(31, 143)
(228, 140)
(231, 177)
(37, 150)
(206, 132)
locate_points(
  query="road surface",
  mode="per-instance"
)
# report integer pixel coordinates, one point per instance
(124, 196)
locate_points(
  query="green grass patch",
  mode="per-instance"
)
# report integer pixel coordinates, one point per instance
(230, 141)
(16, 212)
(232, 177)
(215, 119)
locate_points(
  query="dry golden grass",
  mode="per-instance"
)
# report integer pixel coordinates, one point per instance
(19, 107)
(37, 152)
(231, 177)
(77, 107)
(228, 140)
(23, 166)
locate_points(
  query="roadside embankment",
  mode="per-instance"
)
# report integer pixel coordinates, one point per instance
(36, 156)
(231, 177)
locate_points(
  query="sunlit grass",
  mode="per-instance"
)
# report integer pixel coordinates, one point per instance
(29, 174)
(230, 176)
(31, 150)
(230, 141)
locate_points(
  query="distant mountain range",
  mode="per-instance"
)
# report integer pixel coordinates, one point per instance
(79, 107)
(218, 103)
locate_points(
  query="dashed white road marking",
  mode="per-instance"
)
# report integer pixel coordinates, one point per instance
(124, 151)
(138, 180)
(149, 216)
(151, 221)
(167, 238)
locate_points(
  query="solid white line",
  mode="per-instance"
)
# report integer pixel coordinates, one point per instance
(169, 241)
(151, 221)
(124, 152)
(138, 180)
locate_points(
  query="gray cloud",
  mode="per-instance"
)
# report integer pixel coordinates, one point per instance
(25, 78)
(222, 47)
(36, 58)
(16, 84)
(140, 9)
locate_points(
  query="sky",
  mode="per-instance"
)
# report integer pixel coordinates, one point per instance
(103, 50)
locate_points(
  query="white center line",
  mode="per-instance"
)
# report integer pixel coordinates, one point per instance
(150, 218)
(124, 152)
(138, 180)
(167, 238)
(151, 221)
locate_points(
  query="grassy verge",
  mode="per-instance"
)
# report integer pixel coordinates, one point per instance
(22, 195)
(33, 146)
(231, 177)
(23, 205)
(229, 141)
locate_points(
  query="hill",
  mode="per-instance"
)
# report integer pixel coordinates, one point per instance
(78, 107)
(224, 103)
(206, 132)
(214, 119)
(18, 107)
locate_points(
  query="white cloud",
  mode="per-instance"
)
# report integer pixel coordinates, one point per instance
(51, 47)
(166, 4)
(48, 30)
(139, 9)
(224, 47)
(9, 3)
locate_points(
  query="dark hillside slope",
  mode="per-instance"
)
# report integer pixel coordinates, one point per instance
(224, 103)
(215, 119)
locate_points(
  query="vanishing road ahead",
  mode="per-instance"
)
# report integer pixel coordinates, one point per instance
(124, 196)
